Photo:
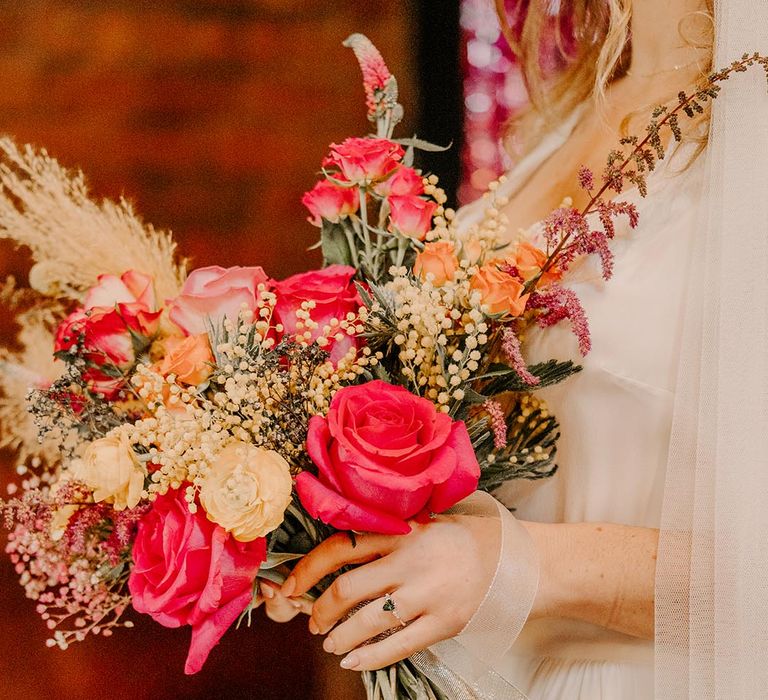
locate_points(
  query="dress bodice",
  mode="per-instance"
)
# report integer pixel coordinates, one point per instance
(615, 416)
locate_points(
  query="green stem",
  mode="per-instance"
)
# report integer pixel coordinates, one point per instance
(366, 233)
(352, 246)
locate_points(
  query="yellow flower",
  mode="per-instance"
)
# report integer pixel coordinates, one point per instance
(247, 490)
(111, 470)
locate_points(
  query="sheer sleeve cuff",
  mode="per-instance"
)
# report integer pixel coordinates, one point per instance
(466, 667)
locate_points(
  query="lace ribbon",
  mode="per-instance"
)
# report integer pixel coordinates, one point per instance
(464, 667)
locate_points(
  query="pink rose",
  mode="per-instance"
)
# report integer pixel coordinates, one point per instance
(334, 294)
(116, 322)
(362, 160)
(189, 571)
(411, 216)
(385, 456)
(405, 180)
(330, 202)
(212, 293)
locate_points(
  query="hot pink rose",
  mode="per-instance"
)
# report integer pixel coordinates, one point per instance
(362, 160)
(188, 571)
(116, 321)
(411, 216)
(385, 456)
(330, 202)
(212, 293)
(334, 294)
(405, 180)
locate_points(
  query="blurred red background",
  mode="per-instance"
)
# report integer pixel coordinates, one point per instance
(212, 116)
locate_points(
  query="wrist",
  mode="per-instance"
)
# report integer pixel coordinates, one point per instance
(558, 592)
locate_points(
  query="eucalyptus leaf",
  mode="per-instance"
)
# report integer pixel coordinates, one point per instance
(334, 244)
(275, 559)
(422, 145)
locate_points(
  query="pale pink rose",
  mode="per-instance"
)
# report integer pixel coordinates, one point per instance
(404, 180)
(330, 202)
(189, 571)
(411, 216)
(335, 295)
(212, 293)
(363, 160)
(131, 287)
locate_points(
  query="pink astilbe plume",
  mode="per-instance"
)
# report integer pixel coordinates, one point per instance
(376, 75)
(596, 242)
(498, 423)
(510, 346)
(564, 223)
(556, 304)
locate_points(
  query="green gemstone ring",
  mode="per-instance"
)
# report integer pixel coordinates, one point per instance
(389, 606)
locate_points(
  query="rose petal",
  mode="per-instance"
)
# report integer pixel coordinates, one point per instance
(335, 510)
(210, 630)
(464, 479)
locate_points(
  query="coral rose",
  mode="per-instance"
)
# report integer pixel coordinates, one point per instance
(528, 259)
(334, 293)
(247, 490)
(116, 323)
(404, 180)
(111, 470)
(500, 292)
(384, 456)
(189, 571)
(210, 294)
(190, 359)
(411, 216)
(438, 261)
(363, 160)
(330, 202)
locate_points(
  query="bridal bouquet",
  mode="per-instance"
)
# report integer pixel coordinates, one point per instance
(182, 435)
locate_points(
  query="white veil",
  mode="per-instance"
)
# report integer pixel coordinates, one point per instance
(712, 575)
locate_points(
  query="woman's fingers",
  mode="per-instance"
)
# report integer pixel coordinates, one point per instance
(331, 555)
(351, 588)
(367, 623)
(278, 607)
(418, 635)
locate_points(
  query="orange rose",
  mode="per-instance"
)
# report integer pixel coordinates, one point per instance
(528, 259)
(190, 359)
(439, 260)
(500, 293)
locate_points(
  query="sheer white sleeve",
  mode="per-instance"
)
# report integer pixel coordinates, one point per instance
(712, 575)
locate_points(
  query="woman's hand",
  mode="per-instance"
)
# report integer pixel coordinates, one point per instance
(278, 607)
(437, 576)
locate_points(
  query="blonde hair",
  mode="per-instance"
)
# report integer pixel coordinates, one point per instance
(592, 48)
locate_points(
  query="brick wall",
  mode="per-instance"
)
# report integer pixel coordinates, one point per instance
(212, 115)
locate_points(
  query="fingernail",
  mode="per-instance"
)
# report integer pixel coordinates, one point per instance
(296, 604)
(350, 662)
(289, 586)
(329, 645)
(267, 591)
(313, 628)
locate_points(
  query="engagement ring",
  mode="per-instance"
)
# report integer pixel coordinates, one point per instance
(389, 606)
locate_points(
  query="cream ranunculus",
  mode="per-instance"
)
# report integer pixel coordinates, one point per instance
(247, 490)
(112, 471)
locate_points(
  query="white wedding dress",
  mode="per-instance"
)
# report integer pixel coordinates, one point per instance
(615, 418)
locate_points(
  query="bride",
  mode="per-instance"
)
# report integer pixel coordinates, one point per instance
(645, 471)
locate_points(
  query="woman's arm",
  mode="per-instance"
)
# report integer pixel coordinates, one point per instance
(598, 573)
(439, 573)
